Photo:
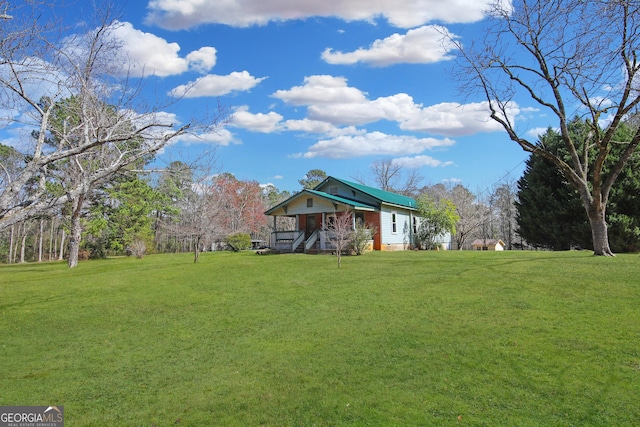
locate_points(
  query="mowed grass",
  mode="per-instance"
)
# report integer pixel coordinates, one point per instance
(390, 339)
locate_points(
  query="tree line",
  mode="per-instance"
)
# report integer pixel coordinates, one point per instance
(79, 179)
(175, 211)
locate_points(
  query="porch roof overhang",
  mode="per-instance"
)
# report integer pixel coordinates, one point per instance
(279, 208)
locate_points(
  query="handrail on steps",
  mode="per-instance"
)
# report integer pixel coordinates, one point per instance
(311, 240)
(297, 241)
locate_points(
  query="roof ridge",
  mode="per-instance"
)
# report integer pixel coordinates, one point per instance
(378, 193)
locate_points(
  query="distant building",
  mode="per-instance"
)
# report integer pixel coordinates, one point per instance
(488, 245)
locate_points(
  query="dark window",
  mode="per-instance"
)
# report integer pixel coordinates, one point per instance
(309, 202)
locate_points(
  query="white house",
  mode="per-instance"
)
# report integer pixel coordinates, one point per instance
(393, 216)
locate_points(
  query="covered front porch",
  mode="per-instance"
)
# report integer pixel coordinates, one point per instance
(313, 213)
(296, 241)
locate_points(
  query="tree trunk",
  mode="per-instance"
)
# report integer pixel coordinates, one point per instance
(599, 231)
(17, 242)
(62, 239)
(24, 243)
(10, 259)
(40, 240)
(196, 250)
(51, 244)
(76, 233)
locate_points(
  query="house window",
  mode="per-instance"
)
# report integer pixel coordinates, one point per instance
(309, 202)
(333, 190)
(415, 225)
(360, 218)
(394, 222)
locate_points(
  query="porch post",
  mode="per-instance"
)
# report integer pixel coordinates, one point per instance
(411, 230)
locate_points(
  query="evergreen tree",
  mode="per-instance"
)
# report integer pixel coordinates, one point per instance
(550, 212)
(312, 178)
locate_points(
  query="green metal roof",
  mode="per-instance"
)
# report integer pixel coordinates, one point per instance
(340, 200)
(324, 195)
(384, 196)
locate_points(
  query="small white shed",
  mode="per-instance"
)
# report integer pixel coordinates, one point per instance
(488, 245)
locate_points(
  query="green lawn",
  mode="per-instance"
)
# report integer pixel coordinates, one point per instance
(390, 339)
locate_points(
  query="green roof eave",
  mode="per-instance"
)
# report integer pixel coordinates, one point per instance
(342, 200)
(385, 197)
(326, 196)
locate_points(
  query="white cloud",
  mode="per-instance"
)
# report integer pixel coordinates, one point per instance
(172, 14)
(317, 126)
(374, 143)
(422, 45)
(148, 54)
(160, 121)
(537, 132)
(259, 122)
(330, 100)
(203, 59)
(454, 119)
(216, 85)
(219, 137)
(395, 108)
(321, 89)
(419, 161)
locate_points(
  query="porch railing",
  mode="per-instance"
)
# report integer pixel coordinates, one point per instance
(311, 241)
(286, 241)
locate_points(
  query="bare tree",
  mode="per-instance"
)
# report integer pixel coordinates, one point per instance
(91, 122)
(188, 184)
(340, 230)
(570, 57)
(470, 212)
(386, 173)
(503, 198)
(393, 176)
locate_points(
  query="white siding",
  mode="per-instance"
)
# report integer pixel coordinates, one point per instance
(403, 234)
(299, 206)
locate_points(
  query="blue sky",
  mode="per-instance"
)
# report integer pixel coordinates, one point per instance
(332, 85)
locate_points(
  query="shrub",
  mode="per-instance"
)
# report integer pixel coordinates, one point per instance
(361, 237)
(238, 242)
(138, 248)
(83, 255)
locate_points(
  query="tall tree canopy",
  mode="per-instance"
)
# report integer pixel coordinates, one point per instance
(569, 57)
(549, 209)
(312, 178)
(438, 218)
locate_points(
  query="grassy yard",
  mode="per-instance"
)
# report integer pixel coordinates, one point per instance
(390, 339)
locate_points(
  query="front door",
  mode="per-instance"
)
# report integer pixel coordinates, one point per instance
(311, 225)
